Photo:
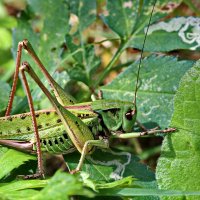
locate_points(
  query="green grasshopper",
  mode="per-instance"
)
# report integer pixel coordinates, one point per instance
(68, 126)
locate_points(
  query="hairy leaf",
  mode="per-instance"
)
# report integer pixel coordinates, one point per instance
(178, 167)
(130, 20)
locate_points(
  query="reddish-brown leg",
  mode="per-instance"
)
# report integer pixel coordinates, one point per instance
(30, 102)
(16, 77)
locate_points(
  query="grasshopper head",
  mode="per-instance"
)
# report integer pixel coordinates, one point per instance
(129, 118)
(116, 115)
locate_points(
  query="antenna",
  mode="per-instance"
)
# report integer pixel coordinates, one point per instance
(140, 60)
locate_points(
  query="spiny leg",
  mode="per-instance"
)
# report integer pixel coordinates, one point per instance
(141, 134)
(15, 79)
(60, 94)
(30, 102)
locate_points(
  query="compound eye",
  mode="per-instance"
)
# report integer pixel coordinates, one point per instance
(130, 114)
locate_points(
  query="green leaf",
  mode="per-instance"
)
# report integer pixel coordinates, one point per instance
(121, 16)
(86, 62)
(135, 192)
(18, 195)
(63, 185)
(127, 181)
(157, 86)
(5, 90)
(47, 34)
(178, 167)
(8, 22)
(129, 19)
(22, 185)
(84, 11)
(57, 187)
(6, 63)
(11, 159)
(109, 165)
(5, 39)
(180, 33)
(44, 24)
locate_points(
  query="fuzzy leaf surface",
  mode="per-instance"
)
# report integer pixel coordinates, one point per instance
(178, 167)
